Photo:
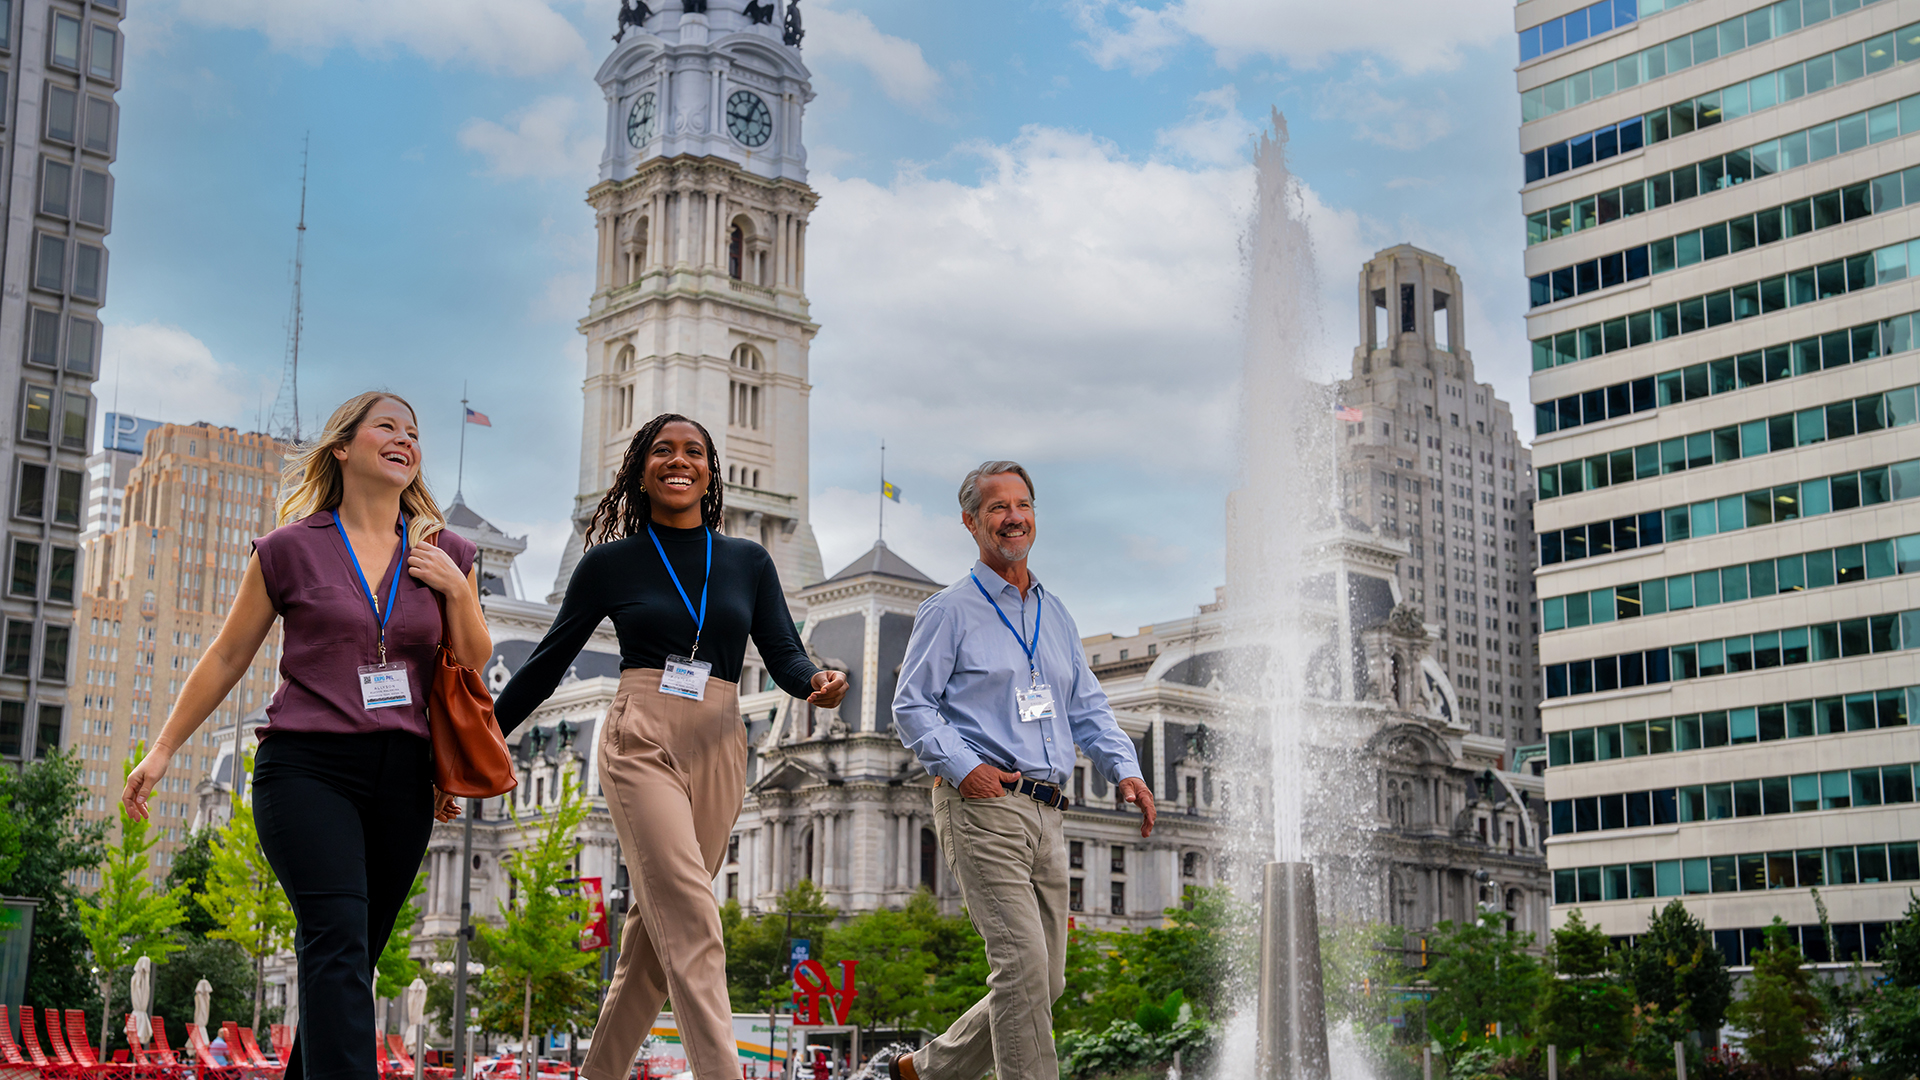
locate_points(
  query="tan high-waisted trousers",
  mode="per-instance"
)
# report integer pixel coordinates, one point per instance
(674, 772)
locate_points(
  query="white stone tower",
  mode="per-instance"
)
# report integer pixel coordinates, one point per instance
(699, 303)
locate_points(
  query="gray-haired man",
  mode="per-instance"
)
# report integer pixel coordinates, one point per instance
(994, 694)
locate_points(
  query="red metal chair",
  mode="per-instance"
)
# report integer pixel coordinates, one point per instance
(253, 1051)
(83, 1054)
(163, 1053)
(56, 1041)
(397, 1044)
(13, 1064)
(282, 1038)
(209, 1066)
(31, 1039)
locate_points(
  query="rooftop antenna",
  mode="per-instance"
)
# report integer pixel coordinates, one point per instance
(285, 422)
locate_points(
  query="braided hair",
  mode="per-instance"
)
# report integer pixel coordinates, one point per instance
(625, 509)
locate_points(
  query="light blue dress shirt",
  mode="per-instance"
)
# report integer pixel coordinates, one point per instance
(954, 705)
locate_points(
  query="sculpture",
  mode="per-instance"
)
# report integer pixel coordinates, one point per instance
(632, 13)
(794, 32)
(760, 14)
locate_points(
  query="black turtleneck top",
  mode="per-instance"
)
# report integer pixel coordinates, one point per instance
(624, 580)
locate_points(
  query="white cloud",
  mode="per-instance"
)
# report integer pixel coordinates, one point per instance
(1416, 35)
(894, 62)
(1214, 132)
(1066, 304)
(162, 372)
(520, 37)
(932, 540)
(1392, 122)
(545, 141)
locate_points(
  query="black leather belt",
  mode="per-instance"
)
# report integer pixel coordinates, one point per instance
(1041, 792)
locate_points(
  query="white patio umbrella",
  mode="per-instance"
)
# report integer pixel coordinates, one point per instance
(291, 1017)
(416, 1020)
(143, 997)
(202, 1003)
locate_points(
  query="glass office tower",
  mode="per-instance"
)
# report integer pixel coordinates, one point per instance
(1720, 247)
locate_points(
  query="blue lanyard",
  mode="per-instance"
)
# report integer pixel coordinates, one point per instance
(1039, 604)
(392, 592)
(699, 617)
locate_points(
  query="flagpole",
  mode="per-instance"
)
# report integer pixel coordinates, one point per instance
(882, 536)
(461, 476)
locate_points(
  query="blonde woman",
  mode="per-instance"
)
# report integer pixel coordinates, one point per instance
(343, 782)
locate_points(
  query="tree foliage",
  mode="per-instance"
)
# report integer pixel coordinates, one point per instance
(1900, 949)
(1677, 973)
(126, 917)
(42, 802)
(1587, 1010)
(1482, 975)
(536, 979)
(1780, 1013)
(189, 873)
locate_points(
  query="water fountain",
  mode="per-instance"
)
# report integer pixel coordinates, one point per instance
(1287, 501)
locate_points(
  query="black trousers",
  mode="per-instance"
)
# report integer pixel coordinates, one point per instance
(344, 820)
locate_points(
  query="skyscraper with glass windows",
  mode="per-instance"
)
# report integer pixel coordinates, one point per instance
(1719, 235)
(60, 64)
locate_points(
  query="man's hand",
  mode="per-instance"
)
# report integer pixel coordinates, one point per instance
(987, 782)
(1136, 793)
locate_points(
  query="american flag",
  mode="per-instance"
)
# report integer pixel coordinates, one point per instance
(1346, 413)
(474, 416)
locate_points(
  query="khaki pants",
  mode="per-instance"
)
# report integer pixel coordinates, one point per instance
(1011, 861)
(674, 772)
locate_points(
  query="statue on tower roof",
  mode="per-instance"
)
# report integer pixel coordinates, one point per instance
(794, 31)
(632, 13)
(759, 13)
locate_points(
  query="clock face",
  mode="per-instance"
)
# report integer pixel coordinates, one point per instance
(642, 120)
(748, 118)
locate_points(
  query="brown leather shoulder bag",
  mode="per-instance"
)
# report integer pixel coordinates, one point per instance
(470, 759)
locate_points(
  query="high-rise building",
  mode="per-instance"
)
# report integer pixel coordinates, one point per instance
(1432, 459)
(60, 64)
(1724, 391)
(122, 438)
(699, 304)
(155, 594)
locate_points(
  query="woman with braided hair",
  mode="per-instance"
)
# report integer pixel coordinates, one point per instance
(673, 749)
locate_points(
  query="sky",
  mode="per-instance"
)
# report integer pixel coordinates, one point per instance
(1028, 243)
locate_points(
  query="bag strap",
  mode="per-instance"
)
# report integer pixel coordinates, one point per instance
(439, 599)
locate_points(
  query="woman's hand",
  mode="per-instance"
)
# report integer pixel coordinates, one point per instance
(828, 688)
(435, 569)
(445, 806)
(142, 780)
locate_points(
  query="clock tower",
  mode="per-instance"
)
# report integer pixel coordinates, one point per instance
(699, 304)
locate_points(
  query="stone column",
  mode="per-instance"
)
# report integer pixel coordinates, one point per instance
(779, 249)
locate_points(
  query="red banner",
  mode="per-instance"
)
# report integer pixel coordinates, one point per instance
(594, 934)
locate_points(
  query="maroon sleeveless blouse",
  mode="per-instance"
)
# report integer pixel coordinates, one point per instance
(330, 629)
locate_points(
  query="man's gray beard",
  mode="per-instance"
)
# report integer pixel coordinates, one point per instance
(1010, 554)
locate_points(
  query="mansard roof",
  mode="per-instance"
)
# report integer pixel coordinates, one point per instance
(880, 559)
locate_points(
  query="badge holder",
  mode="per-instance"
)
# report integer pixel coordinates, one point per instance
(384, 686)
(1035, 703)
(686, 677)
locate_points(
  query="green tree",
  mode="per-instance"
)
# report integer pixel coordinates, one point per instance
(54, 845)
(1780, 1012)
(536, 949)
(126, 918)
(1678, 976)
(1891, 1033)
(1482, 975)
(757, 978)
(189, 872)
(959, 962)
(894, 967)
(1900, 949)
(1587, 1011)
(226, 969)
(243, 896)
(395, 968)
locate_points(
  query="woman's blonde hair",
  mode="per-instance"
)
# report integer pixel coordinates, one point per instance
(313, 482)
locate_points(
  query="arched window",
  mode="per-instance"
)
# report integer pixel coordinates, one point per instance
(1190, 865)
(743, 403)
(929, 860)
(623, 361)
(736, 252)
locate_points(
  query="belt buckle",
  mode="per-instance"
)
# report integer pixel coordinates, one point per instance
(1051, 791)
